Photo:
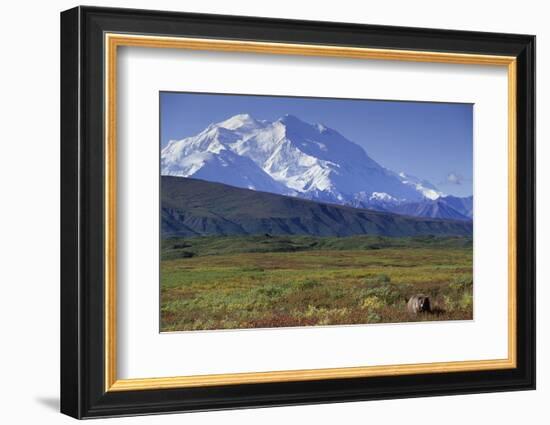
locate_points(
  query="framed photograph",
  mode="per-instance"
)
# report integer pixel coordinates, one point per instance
(261, 212)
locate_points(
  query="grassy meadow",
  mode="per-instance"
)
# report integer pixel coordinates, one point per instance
(238, 282)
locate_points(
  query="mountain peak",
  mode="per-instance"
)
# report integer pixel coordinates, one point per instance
(293, 122)
(321, 127)
(293, 125)
(291, 119)
(238, 121)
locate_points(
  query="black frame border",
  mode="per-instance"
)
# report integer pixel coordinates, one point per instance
(82, 205)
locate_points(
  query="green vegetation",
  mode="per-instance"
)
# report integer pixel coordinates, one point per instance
(198, 208)
(271, 281)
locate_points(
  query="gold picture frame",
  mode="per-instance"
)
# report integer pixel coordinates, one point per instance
(114, 41)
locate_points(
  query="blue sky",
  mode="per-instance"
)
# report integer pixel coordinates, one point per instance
(433, 141)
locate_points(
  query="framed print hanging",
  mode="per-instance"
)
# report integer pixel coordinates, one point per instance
(261, 212)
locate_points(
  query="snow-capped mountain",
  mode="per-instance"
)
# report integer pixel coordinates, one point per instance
(423, 186)
(442, 207)
(291, 157)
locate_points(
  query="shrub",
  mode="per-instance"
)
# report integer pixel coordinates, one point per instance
(270, 291)
(373, 318)
(386, 294)
(462, 283)
(460, 293)
(371, 303)
(466, 302)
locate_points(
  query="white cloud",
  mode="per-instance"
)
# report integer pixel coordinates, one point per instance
(454, 178)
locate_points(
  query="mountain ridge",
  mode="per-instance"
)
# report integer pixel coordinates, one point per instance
(192, 207)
